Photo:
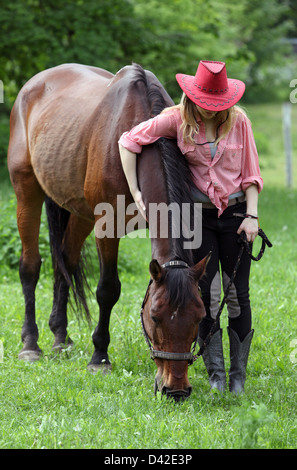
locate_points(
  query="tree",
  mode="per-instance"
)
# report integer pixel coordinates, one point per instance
(263, 26)
(165, 36)
(37, 34)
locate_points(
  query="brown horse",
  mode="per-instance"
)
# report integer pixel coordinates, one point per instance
(65, 125)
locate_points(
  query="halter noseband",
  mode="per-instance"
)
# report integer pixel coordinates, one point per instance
(155, 354)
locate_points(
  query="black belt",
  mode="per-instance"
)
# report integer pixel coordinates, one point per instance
(232, 202)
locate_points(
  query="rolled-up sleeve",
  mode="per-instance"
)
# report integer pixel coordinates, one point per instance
(147, 132)
(250, 170)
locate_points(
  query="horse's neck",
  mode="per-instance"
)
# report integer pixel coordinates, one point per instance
(161, 249)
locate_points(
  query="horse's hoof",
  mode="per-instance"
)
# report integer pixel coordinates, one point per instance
(60, 347)
(30, 356)
(103, 367)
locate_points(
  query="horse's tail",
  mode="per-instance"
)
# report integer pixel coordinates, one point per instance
(57, 222)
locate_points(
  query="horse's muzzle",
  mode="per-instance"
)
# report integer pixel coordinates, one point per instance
(177, 395)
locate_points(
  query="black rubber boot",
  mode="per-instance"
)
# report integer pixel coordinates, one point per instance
(239, 353)
(214, 361)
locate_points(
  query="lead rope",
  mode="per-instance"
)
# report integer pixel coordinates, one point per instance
(191, 357)
(245, 245)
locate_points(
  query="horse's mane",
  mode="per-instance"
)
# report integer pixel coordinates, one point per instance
(178, 184)
(176, 170)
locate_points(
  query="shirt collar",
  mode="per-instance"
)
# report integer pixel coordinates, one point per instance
(199, 120)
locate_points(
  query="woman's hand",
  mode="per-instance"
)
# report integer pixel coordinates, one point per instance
(139, 202)
(250, 227)
(128, 160)
(250, 224)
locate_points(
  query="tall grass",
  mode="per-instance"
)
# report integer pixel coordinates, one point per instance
(57, 403)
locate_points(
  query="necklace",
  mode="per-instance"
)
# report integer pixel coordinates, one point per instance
(217, 132)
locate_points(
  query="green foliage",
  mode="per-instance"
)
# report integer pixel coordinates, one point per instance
(4, 136)
(166, 37)
(38, 34)
(261, 33)
(253, 420)
(10, 240)
(261, 143)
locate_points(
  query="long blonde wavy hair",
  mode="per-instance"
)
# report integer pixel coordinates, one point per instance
(189, 114)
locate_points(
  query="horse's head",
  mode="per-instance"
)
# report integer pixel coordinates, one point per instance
(171, 313)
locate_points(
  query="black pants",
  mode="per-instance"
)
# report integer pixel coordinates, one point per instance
(219, 235)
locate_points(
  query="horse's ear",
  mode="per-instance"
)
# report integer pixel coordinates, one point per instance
(200, 268)
(157, 272)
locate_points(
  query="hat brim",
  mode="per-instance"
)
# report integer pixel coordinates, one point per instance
(216, 101)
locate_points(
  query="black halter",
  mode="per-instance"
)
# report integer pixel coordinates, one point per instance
(155, 354)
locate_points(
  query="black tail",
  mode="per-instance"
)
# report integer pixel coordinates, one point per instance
(57, 221)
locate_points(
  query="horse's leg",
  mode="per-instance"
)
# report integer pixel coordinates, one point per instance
(58, 317)
(76, 232)
(30, 198)
(108, 293)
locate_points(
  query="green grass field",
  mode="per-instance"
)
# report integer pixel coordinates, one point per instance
(57, 403)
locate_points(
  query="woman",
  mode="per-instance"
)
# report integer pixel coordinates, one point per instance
(217, 140)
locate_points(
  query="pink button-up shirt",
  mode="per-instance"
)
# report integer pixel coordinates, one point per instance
(234, 167)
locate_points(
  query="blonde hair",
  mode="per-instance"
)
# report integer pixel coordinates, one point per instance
(189, 114)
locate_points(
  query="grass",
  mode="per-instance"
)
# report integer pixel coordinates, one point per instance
(55, 403)
(268, 129)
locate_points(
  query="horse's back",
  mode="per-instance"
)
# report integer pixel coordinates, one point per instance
(51, 89)
(65, 126)
(49, 130)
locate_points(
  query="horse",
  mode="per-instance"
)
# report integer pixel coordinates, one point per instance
(63, 151)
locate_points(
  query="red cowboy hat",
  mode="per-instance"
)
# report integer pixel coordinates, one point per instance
(210, 88)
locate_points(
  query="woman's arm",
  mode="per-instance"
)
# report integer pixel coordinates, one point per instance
(130, 144)
(128, 160)
(250, 226)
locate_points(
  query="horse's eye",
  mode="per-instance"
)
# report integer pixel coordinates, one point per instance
(154, 315)
(200, 291)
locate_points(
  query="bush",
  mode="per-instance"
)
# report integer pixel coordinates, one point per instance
(4, 137)
(261, 143)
